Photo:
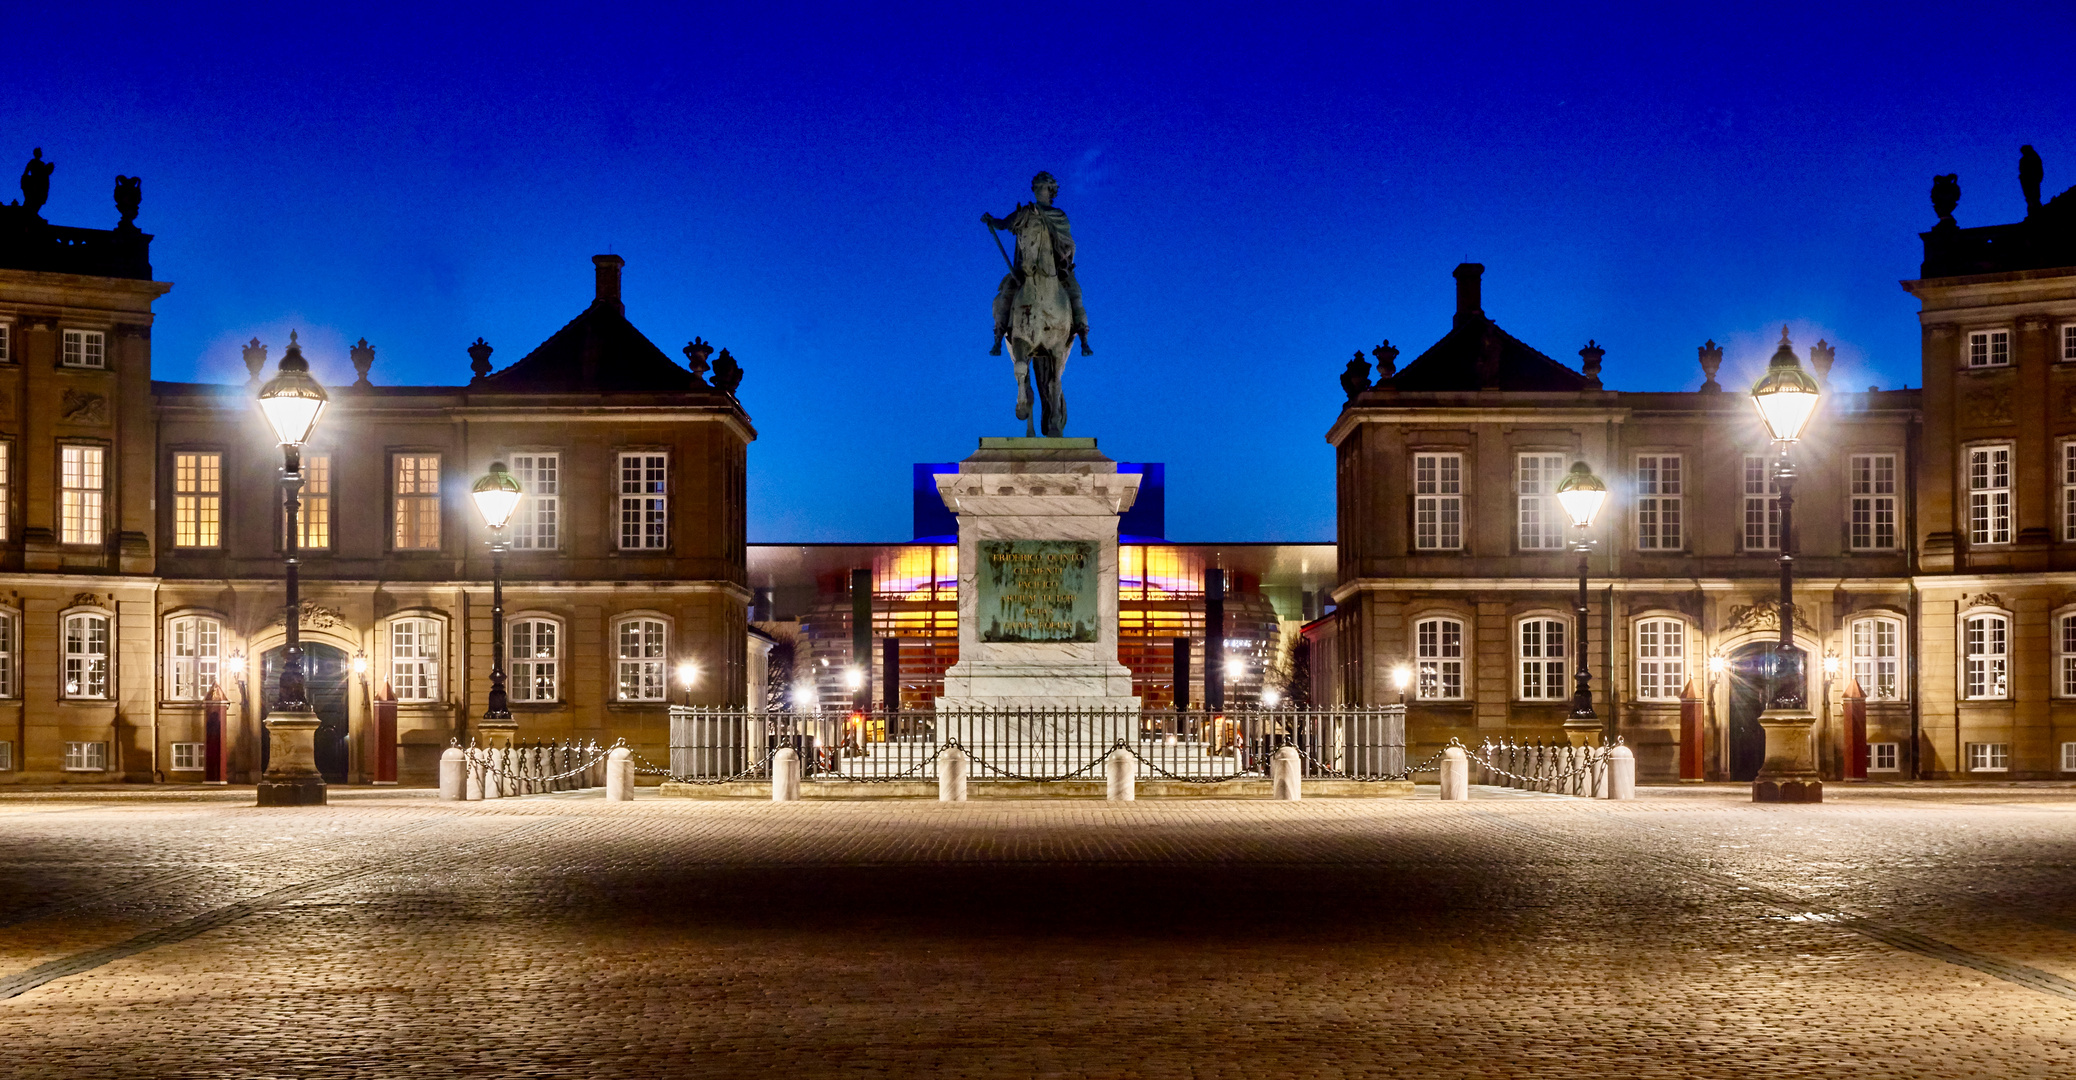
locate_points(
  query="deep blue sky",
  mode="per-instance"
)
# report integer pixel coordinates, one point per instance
(1257, 192)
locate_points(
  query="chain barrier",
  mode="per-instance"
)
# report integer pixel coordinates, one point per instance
(1558, 769)
(535, 768)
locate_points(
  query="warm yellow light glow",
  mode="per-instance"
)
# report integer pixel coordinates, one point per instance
(1831, 666)
(853, 678)
(234, 665)
(1581, 494)
(497, 494)
(1785, 395)
(360, 663)
(1717, 665)
(1402, 677)
(688, 673)
(1271, 698)
(292, 400)
(1235, 668)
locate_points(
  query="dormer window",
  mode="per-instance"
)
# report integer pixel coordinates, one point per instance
(1989, 348)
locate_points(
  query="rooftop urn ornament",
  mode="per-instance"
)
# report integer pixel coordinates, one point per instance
(1038, 308)
(1821, 356)
(1711, 360)
(36, 183)
(2030, 172)
(255, 359)
(696, 352)
(1589, 361)
(727, 373)
(363, 358)
(479, 360)
(1355, 378)
(129, 194)
(1387, 360)
(1946, 194)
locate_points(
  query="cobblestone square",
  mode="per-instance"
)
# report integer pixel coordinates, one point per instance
(1924, 932)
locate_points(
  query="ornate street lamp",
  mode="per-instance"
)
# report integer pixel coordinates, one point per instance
(496, 495)
(1581, 494)
(1786, 397)
(292, 401)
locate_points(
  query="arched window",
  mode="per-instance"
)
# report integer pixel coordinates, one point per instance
(1876, 645)
(414, 659)
(1438, 650)
(1661, 659)
(1986, 645)
(639, 645)
(1541, 643)
(194, 654)
(536, 645)
(86, 655)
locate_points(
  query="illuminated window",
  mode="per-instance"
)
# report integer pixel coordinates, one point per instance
(414, 659)
(86, 655)
(417, 502)
(1659, 498)
(536, 523)
(1989, 757)
(1438, 649)
(1987, 641)
(639, 648)
(1989, 494)
(1761, 505)
(1873, 502)
(85, 348)
(80, 485)
(194, 646)
(1661, 659)
(644, 501)
(536, 659)
(1989, 348)
(1877, 657)
(197, 500)
(1882, 757)
(1438, 502)
(1541, 524)
(314, 518)
(1542, 659)
(86, 757)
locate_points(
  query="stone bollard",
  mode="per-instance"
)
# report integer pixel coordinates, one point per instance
(620, 775)
(454, 785)
(472, 771)
(1121, 769)
(785, 775)
(1286, 771)
(952, 767)
(1455, 775)
(1621, 769)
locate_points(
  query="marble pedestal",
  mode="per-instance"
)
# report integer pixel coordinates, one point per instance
(1037, 489)
(292, 778)
(1789, 774)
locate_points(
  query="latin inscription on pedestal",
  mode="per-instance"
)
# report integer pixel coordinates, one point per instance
(1037, 590)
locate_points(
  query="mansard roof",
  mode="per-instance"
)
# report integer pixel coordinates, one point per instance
(598, 351)
(1477, 355)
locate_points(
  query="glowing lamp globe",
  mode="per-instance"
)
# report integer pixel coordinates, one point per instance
(688, 673)
(1581, 493)
(292, 400)
(1786, 395)
(496, 495)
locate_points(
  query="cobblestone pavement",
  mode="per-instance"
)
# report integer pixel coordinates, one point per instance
(1891, 932)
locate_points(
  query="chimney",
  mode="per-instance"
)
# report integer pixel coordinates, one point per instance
(1470, 293)
(609, 282)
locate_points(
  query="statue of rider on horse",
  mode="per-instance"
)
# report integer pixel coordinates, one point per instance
(1038, 306)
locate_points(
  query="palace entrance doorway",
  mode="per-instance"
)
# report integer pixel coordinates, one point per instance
(1752, 670)
(325, 678)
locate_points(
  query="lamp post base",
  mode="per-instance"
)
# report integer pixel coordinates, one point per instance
(1582, 732)
(1789, 774)
(292, 778)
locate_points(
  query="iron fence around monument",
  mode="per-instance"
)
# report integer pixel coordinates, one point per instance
(713, 744)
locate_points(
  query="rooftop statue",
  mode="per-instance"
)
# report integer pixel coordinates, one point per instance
(1038, 305)
(129, 193)
(2030, 172)
(1946, 194)
(36, 183)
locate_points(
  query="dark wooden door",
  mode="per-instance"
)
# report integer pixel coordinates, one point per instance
(326, 676)
(1752, 670)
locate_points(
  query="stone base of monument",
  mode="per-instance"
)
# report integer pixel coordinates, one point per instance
(1789, 774)
(292, 778)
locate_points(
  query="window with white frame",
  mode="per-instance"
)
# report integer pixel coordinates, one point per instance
(414, 659)
(639, 645)
(644, 500)
(1875, 646)
(1989, 494)
(6, 488)
(2069, 491)
(2068, 353)
(1541, 642)
(1882, 757)
(86, 655)
(1438, 656)
(2069, 757)
(1438, 502)
(1989, 348)
(6, 757)
(314, 517)
(1541, 519)
(81, 481)
(194, 651)
(537, 523)
(1661, 659)
(9, 631)
(1873, 525)
(6, 343)
(1761, 504)
(1989, 757)
(1986, 646)
(2065, 655)
(197, 500)
(188, 756)
(417, 494)
(85, 349)
(86, 757)
(1659, 495)
(536, 659)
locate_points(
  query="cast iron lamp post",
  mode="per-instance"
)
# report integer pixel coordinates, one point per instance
(1786, 396)
(1581, 493)
(292, 402)
(496, 496)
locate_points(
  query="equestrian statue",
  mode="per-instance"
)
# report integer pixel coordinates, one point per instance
(1038, 305)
